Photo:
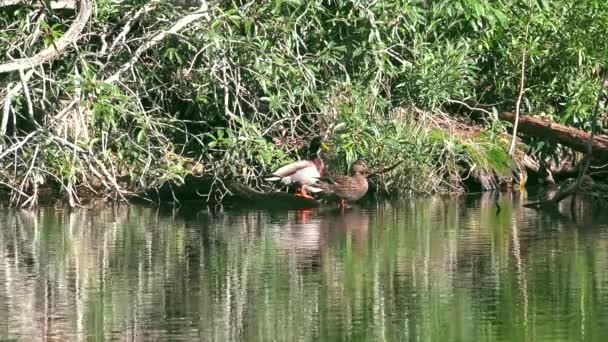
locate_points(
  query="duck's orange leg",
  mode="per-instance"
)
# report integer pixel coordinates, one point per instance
(303, 193)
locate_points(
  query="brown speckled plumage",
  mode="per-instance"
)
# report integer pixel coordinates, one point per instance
(349, 188)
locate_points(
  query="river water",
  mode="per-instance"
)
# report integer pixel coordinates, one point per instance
(433, 269)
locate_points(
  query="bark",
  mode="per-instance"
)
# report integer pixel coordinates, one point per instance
(568, 136)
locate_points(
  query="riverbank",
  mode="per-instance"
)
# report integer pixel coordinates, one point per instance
(437, 153)
(109, 100)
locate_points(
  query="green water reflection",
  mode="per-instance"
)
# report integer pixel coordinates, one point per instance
(421, 270)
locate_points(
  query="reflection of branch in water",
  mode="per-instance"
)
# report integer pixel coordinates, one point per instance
(583, 317)
(49, 269)
(521, 273)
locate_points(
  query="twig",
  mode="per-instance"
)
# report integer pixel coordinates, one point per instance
(470, 107)
(521, 81)
(202, 12)
(385, 170)
(125, 30)
(14, 189)
(12, 92)
(70, 37)
(28, 98)
(37, 31)
(18, 145)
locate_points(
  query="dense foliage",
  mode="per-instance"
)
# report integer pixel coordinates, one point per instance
(237, 91)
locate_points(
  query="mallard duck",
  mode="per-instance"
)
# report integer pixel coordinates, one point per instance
(343, 188)
(306, 171)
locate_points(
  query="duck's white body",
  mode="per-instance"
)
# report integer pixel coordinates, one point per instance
(304, 172)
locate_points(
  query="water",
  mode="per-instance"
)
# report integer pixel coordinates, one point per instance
(422, 270)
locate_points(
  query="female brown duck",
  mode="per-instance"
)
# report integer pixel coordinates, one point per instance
(343, 188)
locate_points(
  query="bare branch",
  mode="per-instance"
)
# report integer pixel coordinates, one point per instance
(202, 12)
(18, 145)
(70, 37)
(522, 78)
(28, 98)
(125, 30)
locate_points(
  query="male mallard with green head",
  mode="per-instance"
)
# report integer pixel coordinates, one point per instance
(343, 188)
(306, 171)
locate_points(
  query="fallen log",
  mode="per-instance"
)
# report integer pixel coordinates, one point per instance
(244, 195)
(193, 190)
(568, 136)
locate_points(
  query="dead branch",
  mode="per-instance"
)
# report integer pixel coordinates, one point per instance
(584, 183)
(26, 91)
(571, 137)
(18, 145)
(85, 9)
(522, 80)
(127, 28)
(385, 170)
(202, 12)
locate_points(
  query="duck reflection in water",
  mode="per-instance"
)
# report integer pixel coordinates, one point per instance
(310, 235)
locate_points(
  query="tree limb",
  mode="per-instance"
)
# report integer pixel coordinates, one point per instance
(583, 182)
(522, 80)
(202, 12)
(85, 9)
(571, 137)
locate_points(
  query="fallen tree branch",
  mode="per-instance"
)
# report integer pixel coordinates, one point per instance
(583, 183)
(571, 137)
(85, 9)
(202, 12)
